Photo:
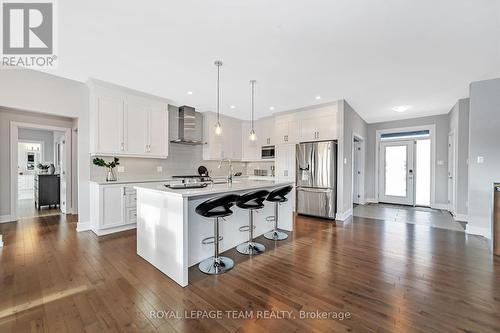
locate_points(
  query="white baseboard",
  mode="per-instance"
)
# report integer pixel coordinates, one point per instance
(461, 217)
(83, 226)
(371, 200)
(439, 206)
(114, 230)
(6, 218)
(480, 231)
(344, 216)
(1, 241)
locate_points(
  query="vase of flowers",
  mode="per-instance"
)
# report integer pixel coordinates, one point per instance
(111, 176)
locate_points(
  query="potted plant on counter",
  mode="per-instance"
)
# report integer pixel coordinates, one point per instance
(110, 177)
(44, 168)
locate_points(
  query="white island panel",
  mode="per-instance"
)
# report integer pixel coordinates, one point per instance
(170, 232)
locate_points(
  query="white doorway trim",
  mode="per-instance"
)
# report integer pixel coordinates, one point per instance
(432, 136)
(452, 206)
(14, 139)
(361, 166)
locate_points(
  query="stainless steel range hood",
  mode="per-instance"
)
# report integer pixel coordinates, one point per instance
(186, 125)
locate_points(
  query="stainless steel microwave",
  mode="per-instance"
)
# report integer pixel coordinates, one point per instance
(267, 152)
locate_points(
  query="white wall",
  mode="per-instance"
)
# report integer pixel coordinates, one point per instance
(459, 124)
(47, 137)
(33, 91)
(349, 124)
(484, 138)
(441, 177)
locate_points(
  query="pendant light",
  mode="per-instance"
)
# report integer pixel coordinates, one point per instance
(218, 127)
(252, 136)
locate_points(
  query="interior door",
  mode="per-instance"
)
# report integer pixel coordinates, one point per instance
(451, 172)
(396, 171)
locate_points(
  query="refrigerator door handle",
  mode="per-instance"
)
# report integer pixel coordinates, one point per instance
(304, 169)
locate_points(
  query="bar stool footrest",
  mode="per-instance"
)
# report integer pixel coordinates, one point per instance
(210, 240)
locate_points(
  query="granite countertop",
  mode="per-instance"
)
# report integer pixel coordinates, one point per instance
(153, 180)
(237, 185)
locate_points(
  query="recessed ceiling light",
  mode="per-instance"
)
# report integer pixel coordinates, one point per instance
(401, 108)
(232, 107)
(271, 108)
(190, 92)
(318, 97)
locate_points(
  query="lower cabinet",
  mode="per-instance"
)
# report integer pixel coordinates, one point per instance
(113, 208)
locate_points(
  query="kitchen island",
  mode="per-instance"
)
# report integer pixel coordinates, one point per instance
(170, 232)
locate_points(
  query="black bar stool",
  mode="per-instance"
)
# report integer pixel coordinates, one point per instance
(277, 196)
(251, 201)
(216, 208)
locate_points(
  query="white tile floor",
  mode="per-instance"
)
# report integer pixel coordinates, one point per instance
(405, 214)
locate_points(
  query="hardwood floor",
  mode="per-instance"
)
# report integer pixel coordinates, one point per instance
(389, 277)
(26, 208)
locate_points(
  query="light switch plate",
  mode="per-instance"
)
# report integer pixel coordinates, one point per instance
(480, 159)
(121, 169)
(159, 169)
(345, 160)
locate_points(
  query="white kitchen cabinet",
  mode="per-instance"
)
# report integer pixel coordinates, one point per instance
(250, 149)
(157, 139)
(321, 127)
(108, 124)
(124, 122)
(265, 131)
(285, 162)
(226, 145)
(113, 208)
(286, 130)
(136, 126)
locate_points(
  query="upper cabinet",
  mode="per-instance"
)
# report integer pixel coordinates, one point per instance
(251, 150)
(312, 124)
(264, 128)
(126, 123)
(228, 144)
(286, 129)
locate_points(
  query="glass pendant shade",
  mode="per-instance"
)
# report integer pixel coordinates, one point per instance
(252, 136)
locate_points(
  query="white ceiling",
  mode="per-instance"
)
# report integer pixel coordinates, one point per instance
(374, 54)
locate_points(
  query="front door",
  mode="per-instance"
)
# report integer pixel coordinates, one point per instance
(396, 172)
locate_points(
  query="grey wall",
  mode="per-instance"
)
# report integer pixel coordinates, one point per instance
(47, 137)
(39, 92)
(484, 138)
(352, 124)
(441, 176)
(459, 123)
(6, 116)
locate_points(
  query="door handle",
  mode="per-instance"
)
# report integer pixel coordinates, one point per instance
(304, 169)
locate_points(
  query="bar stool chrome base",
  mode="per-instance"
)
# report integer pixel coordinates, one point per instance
(251, 248)
(276, 235)
(213, 266)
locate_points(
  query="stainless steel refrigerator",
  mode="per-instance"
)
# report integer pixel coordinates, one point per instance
(317, 179)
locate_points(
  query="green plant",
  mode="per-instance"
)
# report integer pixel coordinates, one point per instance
(102, 163)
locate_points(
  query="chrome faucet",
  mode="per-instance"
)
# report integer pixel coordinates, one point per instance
(230, 175)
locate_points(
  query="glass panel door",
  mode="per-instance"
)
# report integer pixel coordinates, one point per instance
(396, 172)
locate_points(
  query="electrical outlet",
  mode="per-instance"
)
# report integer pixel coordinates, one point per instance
(480, 159)
(159, 169)
(440, 162)
(120, 168)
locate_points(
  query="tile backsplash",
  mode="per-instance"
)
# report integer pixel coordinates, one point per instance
(182, 160)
